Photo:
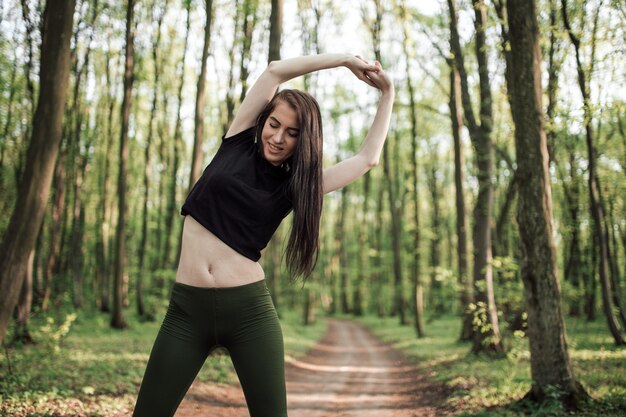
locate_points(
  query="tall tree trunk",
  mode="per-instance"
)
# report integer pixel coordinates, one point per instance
(117, 317)
(341, 240)
(177, 144)
(229, 100)
(615, 274)
(196, 163)
(276, 30)
(573, 253)
(464, 279)
(595, 196)
(32, 197)
(549, 358)
(417, 287)
(553, 79)
(396, 238)
(78, 212)
(58, 207)
(103, 271)
(488, 338)
(378, 276)
(249, 22)
(435, 296)
(157, 14)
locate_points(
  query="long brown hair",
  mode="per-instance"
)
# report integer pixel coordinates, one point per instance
(305, 187)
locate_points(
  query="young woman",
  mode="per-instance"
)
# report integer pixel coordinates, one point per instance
(269, 163)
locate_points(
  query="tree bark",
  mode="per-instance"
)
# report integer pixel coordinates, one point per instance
(464, 279)
(396, 237)
(341, 241)
(196, 162)
(488, 338)
(549, 357)
(276, 30)
(117, 317)
(595, 196)
(417, 286)
(43, 148)
(24, 305)
(178, 146)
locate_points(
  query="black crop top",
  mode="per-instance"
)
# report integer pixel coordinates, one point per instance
(240, 197)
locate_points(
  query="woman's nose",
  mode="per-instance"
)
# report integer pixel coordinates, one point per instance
(278, 136)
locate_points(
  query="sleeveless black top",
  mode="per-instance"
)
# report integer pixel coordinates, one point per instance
(240, 197)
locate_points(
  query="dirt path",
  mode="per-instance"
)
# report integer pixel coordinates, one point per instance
(349, 373)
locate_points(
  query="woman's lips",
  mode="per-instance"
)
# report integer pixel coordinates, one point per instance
(273, 149)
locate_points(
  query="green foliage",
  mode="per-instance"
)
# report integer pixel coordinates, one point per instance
(50, 336)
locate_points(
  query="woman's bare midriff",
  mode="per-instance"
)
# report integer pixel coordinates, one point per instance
(206, 261)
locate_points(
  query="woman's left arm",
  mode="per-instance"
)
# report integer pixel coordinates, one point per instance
(349, 170)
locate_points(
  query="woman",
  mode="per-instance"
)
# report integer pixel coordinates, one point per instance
(269, 163)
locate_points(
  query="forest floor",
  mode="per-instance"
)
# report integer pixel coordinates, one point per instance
(349, 373)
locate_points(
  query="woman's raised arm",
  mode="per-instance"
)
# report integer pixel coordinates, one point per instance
(278, 72)
(348, 170)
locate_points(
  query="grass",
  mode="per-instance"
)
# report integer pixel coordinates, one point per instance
(94, 370)
(484, 386)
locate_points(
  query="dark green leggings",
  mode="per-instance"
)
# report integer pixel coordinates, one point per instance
(242, 320)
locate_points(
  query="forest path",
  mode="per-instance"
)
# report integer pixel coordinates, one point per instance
(349, 373)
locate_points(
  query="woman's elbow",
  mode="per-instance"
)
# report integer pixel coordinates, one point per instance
(372, 162)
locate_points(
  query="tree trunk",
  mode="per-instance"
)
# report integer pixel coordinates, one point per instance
(78, 211)
(378, 276)
(24, 305)
(43, 148)
(117, 317)
(249, 22)
(464, 279)
(196, 163)
(58, 207)
(276, 30)
(549, 358)
(396, 239)
(595, 196)
(159, 11)
(435, 296)
(178, 146)
(488, 337)
(229, 100)
(104, 257)
(573, 253)
(417, 289)
(341, 240)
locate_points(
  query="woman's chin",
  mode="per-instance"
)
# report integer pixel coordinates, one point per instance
(273, 159)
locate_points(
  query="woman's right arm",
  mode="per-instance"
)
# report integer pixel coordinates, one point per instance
(278, 72)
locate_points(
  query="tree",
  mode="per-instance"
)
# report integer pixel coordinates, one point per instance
(480, 134)
(41, 156)
(549, 358)
(596, 203)
(178, 140)
(417, 287)
(117, 317)
(158, 12)
(200, 95)
(276, 30)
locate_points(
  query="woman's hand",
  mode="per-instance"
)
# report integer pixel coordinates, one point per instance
(361, 68)
(380, 80)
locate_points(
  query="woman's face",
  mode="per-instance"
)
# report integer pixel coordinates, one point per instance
(280, 134)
